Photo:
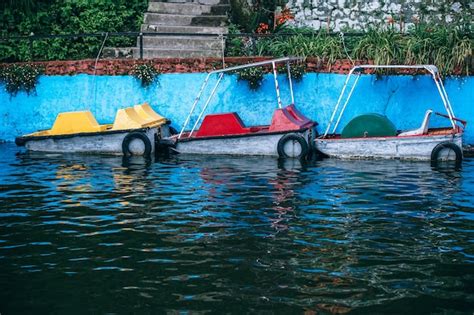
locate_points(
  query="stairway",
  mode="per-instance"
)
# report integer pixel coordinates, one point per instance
(181, 16)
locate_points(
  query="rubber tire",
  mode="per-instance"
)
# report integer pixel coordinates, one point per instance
(136, 135)
(292, 137)
(446, 145)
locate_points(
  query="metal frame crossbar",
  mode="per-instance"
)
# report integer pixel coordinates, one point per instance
(358, 70)
(221, 73)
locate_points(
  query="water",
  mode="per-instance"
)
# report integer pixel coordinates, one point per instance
(90, 234)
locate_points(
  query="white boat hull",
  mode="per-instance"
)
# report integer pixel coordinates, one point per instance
(103, 142)
(409, 148)
(261, 144)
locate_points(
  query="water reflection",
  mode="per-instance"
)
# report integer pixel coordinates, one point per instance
(190, 233)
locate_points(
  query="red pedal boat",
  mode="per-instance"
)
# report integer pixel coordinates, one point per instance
(290, 133)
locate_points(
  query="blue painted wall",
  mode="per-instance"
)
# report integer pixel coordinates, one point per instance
(404, 99)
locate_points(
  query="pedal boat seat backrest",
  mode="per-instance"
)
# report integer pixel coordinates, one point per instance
(423, 130)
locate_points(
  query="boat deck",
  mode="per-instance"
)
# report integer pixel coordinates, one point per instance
(431, 132)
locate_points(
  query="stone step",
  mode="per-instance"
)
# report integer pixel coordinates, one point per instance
(187, 8)
(152, 28)
(208, 2)
(150, 53)
(185, 20)
(181, 42)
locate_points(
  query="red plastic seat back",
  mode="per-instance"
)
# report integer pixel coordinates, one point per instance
(220, 125)
(289, 118)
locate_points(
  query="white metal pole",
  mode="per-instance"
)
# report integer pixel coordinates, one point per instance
(290, 82)
(198, 97)
(338, 102)
(444, 100)
(345, 104)
(276, 84)
(443, 89)
(221, 75)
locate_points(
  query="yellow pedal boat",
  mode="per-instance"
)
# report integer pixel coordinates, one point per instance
(135, 131)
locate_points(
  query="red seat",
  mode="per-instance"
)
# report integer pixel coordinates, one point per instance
(289, 118)
(221, 124)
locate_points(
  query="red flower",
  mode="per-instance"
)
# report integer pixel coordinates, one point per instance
(262, 28)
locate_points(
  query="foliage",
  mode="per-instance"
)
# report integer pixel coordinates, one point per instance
(449, 48)
(146, 73)
(241, 14)
(297, 70)
(444, 47)
(253, 76)
(20, 78)
(235, 45)
(248, 17)
(383, 47)
(66, 17)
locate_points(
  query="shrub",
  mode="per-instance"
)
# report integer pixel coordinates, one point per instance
(253, 76)
(297, 70)
(67, 17)
(146, 73)
(20, 78)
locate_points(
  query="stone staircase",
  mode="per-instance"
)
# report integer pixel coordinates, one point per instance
(179, 17)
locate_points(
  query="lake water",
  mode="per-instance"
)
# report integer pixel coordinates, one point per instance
(92, 234)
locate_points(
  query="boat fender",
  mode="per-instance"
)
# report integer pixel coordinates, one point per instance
(292, 137)
(446, 145)
(132, 136)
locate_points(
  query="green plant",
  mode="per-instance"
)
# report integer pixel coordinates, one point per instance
(297, 70)
(235, 45)
(381, 46)
(146, 73)
(20, 78)
(66, 17)
(303, 45)
(253, 76)
(248, 17)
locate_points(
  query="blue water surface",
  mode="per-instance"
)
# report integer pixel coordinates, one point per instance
(192, 234)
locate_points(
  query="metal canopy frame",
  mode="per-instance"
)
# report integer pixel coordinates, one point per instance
(358, 70)
(221, 73)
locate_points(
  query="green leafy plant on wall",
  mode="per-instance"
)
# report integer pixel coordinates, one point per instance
(297, 70)
(146, 73)
(20, 78)
(253, 76)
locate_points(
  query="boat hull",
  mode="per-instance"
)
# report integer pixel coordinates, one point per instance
(409, 148)
(103, 142)
(256, 144)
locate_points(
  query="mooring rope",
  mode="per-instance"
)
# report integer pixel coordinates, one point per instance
(341, 36)
(95, 65)
(223, 49)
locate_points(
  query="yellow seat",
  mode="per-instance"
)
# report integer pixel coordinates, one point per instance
(147, 113)
(128, 118)
(74, 122)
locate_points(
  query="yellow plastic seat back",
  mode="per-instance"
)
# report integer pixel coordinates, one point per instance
(128, 118)
(74, 122)
(147, 113)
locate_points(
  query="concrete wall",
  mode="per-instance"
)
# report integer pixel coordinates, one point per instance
(403, 99)
(362, 14)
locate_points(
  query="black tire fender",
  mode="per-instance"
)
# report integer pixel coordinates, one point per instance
(292, 137)
(136, 135)
(446, 145)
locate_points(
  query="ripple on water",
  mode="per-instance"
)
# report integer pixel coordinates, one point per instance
(234, 234)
